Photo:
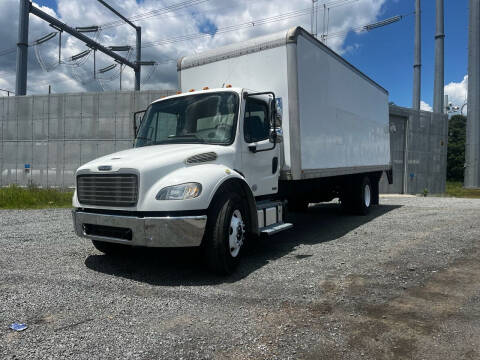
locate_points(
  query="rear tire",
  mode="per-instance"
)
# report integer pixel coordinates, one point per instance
(110, 248)
(358, 199)
(226, 232)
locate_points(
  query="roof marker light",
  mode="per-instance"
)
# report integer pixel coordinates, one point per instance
(228, 86)
(205, 88)
(179, 92)
(191, 90)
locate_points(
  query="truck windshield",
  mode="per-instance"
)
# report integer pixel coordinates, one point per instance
(204, 118)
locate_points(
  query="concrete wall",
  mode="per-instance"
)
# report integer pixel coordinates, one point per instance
(425, 137)
(44, 139)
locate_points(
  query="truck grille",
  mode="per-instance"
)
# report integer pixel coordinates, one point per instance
(108, 189)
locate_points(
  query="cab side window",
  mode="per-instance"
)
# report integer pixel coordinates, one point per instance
(256, 122)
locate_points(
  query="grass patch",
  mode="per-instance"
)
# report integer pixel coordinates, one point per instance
(15, 197)
(456, 189)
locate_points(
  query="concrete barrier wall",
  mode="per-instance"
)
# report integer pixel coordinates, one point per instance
(44, 139)
(421, 139)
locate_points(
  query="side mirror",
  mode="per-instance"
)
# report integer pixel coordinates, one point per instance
(137, 121)
(276, 135)
(277, 120)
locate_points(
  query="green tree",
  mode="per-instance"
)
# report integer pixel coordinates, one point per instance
(456, 147)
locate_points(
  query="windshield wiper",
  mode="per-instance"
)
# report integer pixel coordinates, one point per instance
(185, 137)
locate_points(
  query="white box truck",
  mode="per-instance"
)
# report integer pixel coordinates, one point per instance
(259, 127)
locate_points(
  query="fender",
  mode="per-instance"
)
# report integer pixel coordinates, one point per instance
(239, 180)
(210, 176)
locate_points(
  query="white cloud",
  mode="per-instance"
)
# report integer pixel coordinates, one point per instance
(425, 106)
(215, 13)
(457, 92)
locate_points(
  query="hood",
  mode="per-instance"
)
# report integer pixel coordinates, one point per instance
(154, 163)
(153, 157)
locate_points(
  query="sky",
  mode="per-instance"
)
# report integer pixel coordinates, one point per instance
(171, 28)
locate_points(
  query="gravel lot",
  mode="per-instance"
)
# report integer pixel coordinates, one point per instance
(402, 283)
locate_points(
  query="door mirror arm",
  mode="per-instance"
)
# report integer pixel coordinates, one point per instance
(135, 117)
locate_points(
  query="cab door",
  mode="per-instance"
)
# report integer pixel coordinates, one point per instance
(260, 157)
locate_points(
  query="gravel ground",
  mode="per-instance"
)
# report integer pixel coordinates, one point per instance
(401, 283)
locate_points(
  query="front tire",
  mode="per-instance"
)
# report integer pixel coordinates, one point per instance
(226, 233)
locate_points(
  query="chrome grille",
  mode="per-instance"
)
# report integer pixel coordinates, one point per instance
(108, 189)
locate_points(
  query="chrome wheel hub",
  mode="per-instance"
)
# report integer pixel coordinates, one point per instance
(236, 233)
(367, 196)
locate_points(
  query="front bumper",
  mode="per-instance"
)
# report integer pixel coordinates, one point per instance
(183, 231)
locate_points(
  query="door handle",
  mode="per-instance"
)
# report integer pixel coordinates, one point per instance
(274, 165)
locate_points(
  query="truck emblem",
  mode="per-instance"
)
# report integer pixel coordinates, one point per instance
(104, 168)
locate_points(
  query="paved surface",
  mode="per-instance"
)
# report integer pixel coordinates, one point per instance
(402, 283)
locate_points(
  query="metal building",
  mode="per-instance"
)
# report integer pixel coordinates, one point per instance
(418, 147)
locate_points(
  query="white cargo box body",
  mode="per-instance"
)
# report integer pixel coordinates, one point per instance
(335, 118)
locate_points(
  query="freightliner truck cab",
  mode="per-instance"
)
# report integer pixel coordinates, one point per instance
(204, 171)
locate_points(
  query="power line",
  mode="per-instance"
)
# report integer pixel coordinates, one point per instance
(245, 25)
(161, 11)
(156, 12)
(369, 27)
(254, 23)
(185, 4)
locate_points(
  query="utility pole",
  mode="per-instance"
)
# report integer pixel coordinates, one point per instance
(314, 20)
(22, 48)
(139, 57)
(472, 146)
(26, 7)
(8, 92)
(417, 65)
(439, 82)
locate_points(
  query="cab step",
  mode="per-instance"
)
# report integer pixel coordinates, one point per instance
(276, 228)
(271, 217)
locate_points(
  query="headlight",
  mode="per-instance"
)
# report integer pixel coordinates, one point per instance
(180, 192)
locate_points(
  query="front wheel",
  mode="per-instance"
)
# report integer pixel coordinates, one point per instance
(226, 233)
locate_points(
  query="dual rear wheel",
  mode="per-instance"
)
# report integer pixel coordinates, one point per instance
(358, 197)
